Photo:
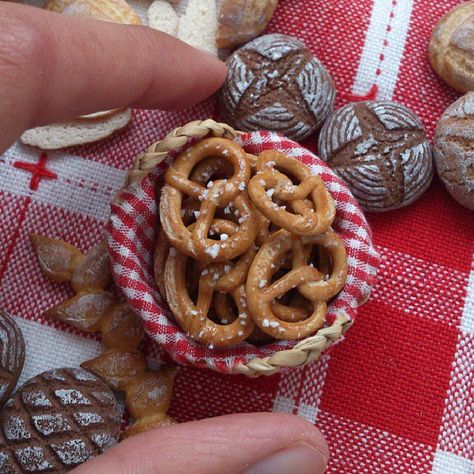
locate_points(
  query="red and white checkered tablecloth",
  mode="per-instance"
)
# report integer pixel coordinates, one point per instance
(397, 396)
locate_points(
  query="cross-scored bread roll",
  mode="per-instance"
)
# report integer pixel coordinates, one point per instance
(451, 49)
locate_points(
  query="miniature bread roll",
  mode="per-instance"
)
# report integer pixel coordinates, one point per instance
(116, 11)
(381, 151)
(454, 150)
(243, 20)
(451, 49)
(275, 83)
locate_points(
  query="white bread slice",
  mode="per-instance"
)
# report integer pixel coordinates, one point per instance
(75, 132)
(198, 26)
(162, 17)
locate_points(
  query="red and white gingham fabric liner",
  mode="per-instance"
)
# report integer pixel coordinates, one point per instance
(397, 395)
(132, 230)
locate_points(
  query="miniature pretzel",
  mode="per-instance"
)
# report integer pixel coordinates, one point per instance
(236, 275)
(162, 248)
(147, 393)
(196, 243)
(269, 183)
(225, 315)
(332, 283)
(261, 293)
(193, 318)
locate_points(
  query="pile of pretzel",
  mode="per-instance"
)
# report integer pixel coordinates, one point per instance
(246, 250)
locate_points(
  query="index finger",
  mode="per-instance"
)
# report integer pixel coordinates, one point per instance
(54, 67)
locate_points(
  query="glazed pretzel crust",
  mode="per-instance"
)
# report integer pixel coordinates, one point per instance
(262, 293)
(220, 194)
(312, 206)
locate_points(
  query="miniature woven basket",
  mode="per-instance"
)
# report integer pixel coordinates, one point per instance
(132, 231)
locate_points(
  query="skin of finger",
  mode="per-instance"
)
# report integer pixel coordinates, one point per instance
(54, 67)
(227, 444)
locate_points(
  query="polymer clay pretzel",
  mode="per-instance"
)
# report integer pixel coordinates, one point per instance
(193, 318)
(162, 248)
(312, 205)
(218, 195)
(235, 274)
(224, 277)
(333, 279)
(261, 292)
(225, 315)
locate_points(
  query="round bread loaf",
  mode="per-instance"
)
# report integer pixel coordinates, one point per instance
(451, 49)
(275, 83)
(56, 421)
(12, 356)
(381, 152)
(454, 150)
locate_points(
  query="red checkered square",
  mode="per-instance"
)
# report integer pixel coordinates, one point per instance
(435, 229)
(418, 86)
(197, 397)
(397, 374)
(402, 283)
(363, 449)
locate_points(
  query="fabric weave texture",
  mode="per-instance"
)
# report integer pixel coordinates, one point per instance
(397, 395)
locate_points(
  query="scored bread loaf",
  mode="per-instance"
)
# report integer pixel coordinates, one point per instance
(75, 132)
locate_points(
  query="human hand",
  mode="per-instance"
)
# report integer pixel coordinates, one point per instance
(253, 443)
(53, 68)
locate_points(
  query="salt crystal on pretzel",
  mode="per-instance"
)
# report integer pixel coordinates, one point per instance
(196, 243)
(304, 220)
(261, 298)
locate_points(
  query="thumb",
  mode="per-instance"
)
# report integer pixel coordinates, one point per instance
(254, 443)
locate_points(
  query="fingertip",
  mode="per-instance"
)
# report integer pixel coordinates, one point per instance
(203, 72)
(231, 443)
(305, 432)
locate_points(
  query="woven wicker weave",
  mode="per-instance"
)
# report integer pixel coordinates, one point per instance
(307, 350)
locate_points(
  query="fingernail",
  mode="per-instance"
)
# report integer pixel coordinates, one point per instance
(301, 459)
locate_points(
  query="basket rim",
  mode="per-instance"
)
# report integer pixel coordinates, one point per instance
(305, 351)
